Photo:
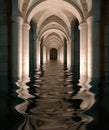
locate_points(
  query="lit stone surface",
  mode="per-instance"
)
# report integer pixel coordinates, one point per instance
(79, 32)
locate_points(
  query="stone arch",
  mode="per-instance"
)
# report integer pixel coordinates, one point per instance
(70, 6)
(77, 12)
(55, 12)
(56, 21)
(55, 34)
(53, 40)
(53, 25)
(51, 31)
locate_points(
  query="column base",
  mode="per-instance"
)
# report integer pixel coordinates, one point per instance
(23, 91)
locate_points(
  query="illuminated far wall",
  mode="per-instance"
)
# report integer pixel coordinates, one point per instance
(53, 54)
(63, 54)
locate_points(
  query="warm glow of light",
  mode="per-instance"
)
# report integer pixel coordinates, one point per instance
(87, 97)
(55, 12)
(38, 54)
(68, 54)
(48, 55)
(44, 54)
(58, 5)
(61, 54)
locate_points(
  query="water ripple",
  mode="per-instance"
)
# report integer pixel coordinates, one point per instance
(53, 102)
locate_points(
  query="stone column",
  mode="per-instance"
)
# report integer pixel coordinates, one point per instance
(65, 52)
(38, 54)
(62, 54)
(69, 54)
(72, 49)
(48, 54)
(44, 55)
(59, 54)
(25, 51)
(93, 48)
(35, 48)
(17, 47)
(41, 52)
(32, 48)
(83, 52)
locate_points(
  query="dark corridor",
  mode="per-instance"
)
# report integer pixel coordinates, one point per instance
(53, 54)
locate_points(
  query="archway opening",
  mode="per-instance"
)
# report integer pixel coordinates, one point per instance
(53, 54)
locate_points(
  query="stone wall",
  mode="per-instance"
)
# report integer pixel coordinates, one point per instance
(104, 38)
(3, 38)
(106, 49)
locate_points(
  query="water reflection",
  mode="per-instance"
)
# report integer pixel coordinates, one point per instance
(53, 102)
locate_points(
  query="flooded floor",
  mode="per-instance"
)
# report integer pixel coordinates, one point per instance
(53, 100)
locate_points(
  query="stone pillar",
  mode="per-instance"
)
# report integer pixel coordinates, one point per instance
(17, 47)
(34, 42)
(72, 49)
(69, 54)
(44, 55)
(65, 52)
(41, 52)
(48, 54)
(93, 48)
(25, 51)
(62, 59)
(32, 48)
(38, 54)
(83, 52)
(59, 54)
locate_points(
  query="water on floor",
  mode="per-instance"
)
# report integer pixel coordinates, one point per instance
(53, 100)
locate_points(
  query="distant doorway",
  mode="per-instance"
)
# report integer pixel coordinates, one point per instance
(53, 54)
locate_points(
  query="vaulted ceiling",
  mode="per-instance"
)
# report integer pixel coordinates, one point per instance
(53, 18)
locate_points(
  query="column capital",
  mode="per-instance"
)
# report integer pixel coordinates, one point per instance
(17, 19)
(68, 40)
(82, 25)
(26, 25)
(93, 19)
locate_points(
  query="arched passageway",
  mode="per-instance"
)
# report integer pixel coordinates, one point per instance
(64, 24)
(79, 31)
(53, 54)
